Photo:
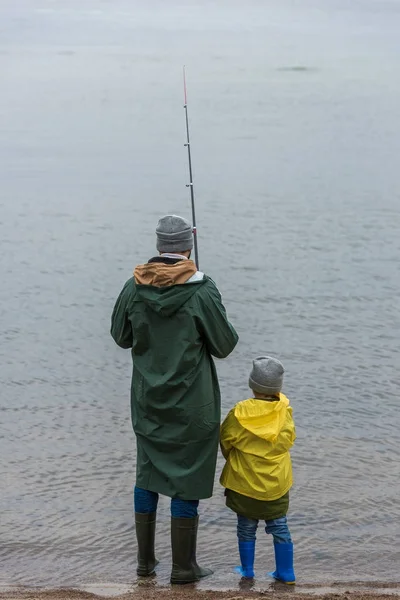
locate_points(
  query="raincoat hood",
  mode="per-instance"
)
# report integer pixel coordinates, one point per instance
(167, 301)
(264, 419)
(161, 288)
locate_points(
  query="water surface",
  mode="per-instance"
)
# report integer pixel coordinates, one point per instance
(295, 122)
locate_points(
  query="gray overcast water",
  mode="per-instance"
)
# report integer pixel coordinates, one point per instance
(295, 122)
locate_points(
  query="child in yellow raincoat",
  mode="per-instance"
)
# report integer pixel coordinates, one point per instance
(255, 440)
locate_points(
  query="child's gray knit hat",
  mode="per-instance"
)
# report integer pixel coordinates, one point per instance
(267, 375)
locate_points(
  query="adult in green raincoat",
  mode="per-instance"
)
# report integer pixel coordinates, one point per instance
(172, 318)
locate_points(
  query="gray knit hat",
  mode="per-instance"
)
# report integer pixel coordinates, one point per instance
(174, 234)
(267, 375)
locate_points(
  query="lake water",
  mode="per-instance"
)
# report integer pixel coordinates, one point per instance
(295, 122)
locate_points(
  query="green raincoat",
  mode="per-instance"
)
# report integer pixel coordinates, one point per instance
(175, 400)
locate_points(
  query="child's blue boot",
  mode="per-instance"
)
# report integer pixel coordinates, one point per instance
(284, 563)
(247, 552)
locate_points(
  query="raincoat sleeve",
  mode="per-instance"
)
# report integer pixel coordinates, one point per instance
(121, 329)
(220, 336)
(287, 435)
(228, 434)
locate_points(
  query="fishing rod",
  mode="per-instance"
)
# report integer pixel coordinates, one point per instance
(190, 184)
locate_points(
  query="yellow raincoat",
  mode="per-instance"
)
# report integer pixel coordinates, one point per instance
(255, 440)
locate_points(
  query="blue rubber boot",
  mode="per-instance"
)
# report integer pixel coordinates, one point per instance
(284, 563)
(247, 552)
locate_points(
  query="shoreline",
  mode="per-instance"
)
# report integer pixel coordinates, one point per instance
(148, 590)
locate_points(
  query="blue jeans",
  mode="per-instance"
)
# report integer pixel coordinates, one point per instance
(146, 502)
(246, 530)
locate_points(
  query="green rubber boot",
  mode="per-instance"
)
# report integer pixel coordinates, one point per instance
(184, 542)
(145, 534)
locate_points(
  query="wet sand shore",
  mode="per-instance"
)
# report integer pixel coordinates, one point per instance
(354, 591)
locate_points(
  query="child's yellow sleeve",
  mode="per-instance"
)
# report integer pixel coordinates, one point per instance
(228, 434)
(287, 435)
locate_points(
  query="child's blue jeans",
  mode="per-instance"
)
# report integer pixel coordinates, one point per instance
(146, 502)
(246, 529)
